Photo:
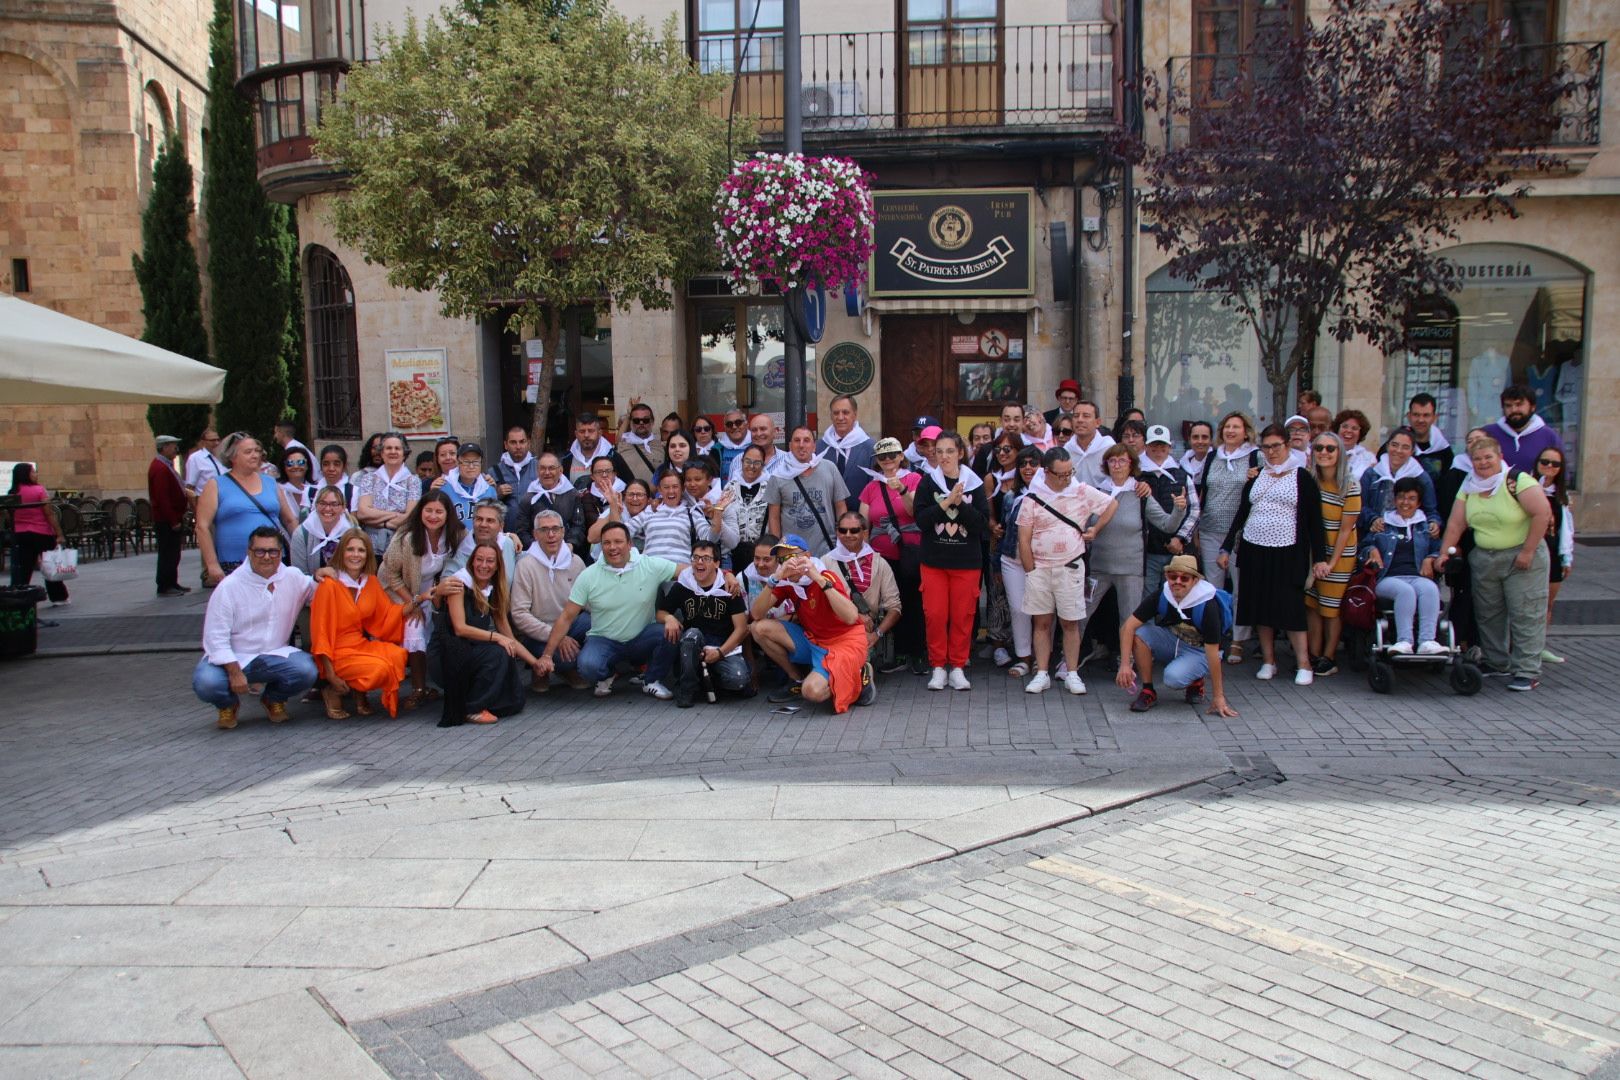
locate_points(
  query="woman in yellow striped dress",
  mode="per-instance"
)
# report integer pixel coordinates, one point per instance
(1341, 505)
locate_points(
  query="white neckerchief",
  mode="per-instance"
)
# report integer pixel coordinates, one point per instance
(1411, 468)
(618, 489)
(843, 554)
(741, 443)
(877, 474)
(914, 455)
(399, 479)
(577, 455)
(630, 438)
(563, 487)
(791, 466)
(716, 489)
(1393, 517)
(344, 579)
(1109, 488)
(480, 485)
(629, 564)
(966, 477)
(1242, 452)
(1437, 443)
(1534, 424)
(517, 466)
(753, 576)
(1299, 459)
(465, 577)
(1487, 486)
(317, 532)
(799, 586)
(1100, 441)
(856, 436)
(1200, 592)
(1193, 466)
(1001, 477)
(1147, 464)
(553, 563)
(689, 579)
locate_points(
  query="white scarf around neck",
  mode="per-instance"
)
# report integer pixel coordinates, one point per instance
(877, 474)
(517, 466)
(689, 579)
(1099, 442)
(344, 578)
(464, 576)
(560, 561)
(843, 554)
(1383, 471)
(1486, 486)
(1147, 464)
(1231, 459)
(1393, 517)
(856, 436)
(1194, 467)
(317, 532)
(1534, 424)
(630, 438)
(724, 439)
(577, 455)
(562, 487)
(1198, 594)
(966, 477)
(1437, 443)
(480, 486)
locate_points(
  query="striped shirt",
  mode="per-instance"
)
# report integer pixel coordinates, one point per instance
(668, 531)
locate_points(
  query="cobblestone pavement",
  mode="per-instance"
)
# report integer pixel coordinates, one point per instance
(1414, 884)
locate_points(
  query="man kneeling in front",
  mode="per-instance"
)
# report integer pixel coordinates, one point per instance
(824, 650)
(1182, 625)
(250, 618)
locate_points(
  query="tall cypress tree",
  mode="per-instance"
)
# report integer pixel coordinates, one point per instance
(171, 291)
(247, 301)
(292, 341)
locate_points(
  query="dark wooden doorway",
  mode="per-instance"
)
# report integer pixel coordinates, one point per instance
(914, 353)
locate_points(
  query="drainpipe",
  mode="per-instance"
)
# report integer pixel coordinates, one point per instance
(1131, 53)
(793, 404)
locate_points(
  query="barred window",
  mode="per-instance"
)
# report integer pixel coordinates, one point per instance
(334, 347)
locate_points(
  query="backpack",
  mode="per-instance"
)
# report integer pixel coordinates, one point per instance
(1359, 608)
(1223, 598)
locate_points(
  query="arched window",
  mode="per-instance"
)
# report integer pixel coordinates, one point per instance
(333, 347)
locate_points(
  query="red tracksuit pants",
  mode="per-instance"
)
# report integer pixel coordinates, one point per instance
(950, 602)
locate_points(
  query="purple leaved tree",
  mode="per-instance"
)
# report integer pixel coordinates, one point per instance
(1310, 180)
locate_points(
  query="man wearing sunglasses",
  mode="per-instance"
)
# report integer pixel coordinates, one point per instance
(732, 439)
(1181, 625)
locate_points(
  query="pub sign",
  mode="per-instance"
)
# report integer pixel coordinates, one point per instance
(954, 242)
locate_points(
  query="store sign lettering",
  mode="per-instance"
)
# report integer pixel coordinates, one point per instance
(1499, 271)
(973, 268)
(954, 242)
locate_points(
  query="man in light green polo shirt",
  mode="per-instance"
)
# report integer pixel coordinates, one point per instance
(621, 593)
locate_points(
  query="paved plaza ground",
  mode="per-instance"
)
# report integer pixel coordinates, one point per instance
(977, 884)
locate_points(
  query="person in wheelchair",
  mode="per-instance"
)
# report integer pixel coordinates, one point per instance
(1402, 550)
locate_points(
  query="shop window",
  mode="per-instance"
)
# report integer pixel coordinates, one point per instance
(1203, 360)
(1232, 42)
(333, 347)
(952, 51)
(725, 42)
(737, 354)
(1519, 317)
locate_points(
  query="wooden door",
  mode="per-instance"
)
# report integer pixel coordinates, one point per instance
(913, 367)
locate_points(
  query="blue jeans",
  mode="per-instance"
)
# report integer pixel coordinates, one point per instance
(576, 630)
(682, 659)
(1182, 664)
(599, 655)
(284, 678)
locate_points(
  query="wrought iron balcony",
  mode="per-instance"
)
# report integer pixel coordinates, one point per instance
(871, 85)
(1204, 83)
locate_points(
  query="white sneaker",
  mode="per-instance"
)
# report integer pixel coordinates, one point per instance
(657, 690)
(605, 687)
(1041, 683)
(1402, 648)
(1002, 657)
(1266, 673)
(959, 679)
(1304, 677)
(1432, 648)
(1074, 684)
(936, 681)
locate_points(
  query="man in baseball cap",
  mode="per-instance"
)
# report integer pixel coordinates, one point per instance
(917, 455)
(1182, 625)
(1176, 496)
(168, 498)
(824, 649)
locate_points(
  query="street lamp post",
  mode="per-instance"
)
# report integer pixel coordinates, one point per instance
(793, 404)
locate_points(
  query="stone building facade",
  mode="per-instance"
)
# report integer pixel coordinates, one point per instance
(89, 89)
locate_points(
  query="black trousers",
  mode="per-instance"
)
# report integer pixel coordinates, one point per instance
(26, 549)
(168, 556)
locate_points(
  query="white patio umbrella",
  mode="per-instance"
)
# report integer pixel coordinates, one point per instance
(47, 358)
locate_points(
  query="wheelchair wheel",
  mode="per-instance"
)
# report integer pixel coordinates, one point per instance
(1357, 648)
(1466, 678)
(1381, 676)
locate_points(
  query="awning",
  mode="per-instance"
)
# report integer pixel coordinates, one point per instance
(924, 305)
(47, 358)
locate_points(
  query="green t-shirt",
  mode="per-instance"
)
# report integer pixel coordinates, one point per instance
(621, 604)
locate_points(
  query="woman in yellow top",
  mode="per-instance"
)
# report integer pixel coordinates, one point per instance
(1341, 506)
(355, 631)
(1510, 516)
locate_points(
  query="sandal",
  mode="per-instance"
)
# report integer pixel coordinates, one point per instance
(362, 705)
(1234, 653)
(1018, 670)
(334, 704)
(484, 717)
(415, 699)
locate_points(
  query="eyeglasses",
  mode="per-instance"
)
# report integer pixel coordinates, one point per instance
(1551, 463)
(1059, 475)
(703, 558)
(850, 532)
(1326, 449)
(736, 423)
(329, 504)
(549, 528)
(1177, 578)
(1272, 445)
(297, 463)
(1065, 431)
(1006, 449)
(703, 430)
(265, 553)
(638, 420)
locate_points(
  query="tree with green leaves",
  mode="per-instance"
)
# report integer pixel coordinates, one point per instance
(171, 288)
(247, 299)
(551, 161)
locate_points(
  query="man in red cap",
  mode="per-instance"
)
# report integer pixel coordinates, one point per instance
(1068, 396)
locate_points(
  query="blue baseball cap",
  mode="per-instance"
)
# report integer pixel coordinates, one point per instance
(927, 421)
(790, 545)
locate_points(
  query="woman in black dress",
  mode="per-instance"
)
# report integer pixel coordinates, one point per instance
(1279, 522)
(476, 657)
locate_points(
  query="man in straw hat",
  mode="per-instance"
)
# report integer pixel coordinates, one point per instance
(1183, 626)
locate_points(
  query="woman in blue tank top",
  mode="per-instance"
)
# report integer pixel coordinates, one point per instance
(233, 505)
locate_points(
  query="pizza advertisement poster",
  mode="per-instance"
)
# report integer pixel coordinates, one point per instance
(418, 391)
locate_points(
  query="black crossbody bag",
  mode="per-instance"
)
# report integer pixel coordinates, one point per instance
(820, 524)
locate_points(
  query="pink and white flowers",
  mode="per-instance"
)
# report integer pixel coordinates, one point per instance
(787, 218)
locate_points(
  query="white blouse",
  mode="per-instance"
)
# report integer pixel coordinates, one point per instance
(1273, 510)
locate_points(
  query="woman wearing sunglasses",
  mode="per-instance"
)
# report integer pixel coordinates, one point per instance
(1553, 473)
(1341, 506)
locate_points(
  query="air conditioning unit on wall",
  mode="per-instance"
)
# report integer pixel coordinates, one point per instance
(839, 106)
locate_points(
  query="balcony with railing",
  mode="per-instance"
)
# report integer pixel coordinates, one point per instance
(1204, 84)
(868, 87)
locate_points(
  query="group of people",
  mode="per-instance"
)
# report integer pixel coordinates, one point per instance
(708, 559)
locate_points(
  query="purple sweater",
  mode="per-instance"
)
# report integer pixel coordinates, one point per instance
(1519, 451)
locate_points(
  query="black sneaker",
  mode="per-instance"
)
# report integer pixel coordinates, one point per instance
(1195, 692)
(792, 691)
(919, 666)
(1523, 682)
(868, 687)
(1145, 700)
(1324, 665)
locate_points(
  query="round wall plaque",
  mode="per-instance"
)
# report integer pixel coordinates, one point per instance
(847, 368)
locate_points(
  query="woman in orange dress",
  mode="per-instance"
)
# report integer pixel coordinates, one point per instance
(356, 631)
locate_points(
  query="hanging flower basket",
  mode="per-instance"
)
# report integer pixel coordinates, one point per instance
(786, 218)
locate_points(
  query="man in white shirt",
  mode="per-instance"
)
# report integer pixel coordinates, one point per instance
(1087, 446)
(250, 618)
(202, 466)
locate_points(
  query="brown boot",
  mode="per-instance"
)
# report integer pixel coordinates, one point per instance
(227, 718)
(276, 711)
